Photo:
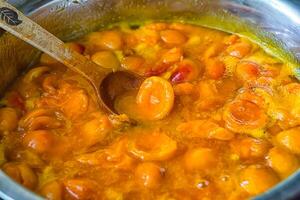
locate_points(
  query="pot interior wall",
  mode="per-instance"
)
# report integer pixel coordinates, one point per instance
(69, 20)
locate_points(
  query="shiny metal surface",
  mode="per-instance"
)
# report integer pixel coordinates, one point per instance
(262, 20)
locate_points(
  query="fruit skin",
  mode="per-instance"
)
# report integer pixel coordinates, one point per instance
(282, 162)
(256, 179)
(200, 159)
(153, 147)
(155, 97)
(290, 140)
(148, 175)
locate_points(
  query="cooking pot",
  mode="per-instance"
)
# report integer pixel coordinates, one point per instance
(274, 24)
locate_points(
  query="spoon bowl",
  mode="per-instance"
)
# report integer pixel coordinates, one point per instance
(116, 84)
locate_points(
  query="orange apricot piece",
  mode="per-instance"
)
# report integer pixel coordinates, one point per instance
(214, 68)
(115, 156)
(152, 147)
(187, 70)
(290, 140)
(204, 129)
(243, 116)
(40, 141)
(21, 173)
(52, 191)
(148, 175)
(282, 162)
(133, 63)
(75, 103)
(172, 37)
(248, 147)
(200, 159)
(155, 97)
(184, 88)
(231, 39)
(8, 119)
(94, 130)
(239, 50)
(246, 71)
(256, 179)
(106, 59)
(82, 188)
(173, 55)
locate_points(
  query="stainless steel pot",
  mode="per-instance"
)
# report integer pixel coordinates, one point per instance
(275, 24)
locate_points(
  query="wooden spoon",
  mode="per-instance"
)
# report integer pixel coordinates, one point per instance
(22, 27)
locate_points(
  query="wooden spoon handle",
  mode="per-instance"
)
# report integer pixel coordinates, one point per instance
(22, 27)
